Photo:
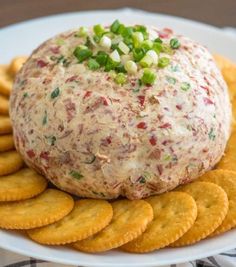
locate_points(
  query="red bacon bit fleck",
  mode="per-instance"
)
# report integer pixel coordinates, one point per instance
(163, 35)
(206, 89)
(207, 101)
(153, 140)
(87, 94)
(179, 107)
(168, 30)
(108, 139)
(142, 125)
(42, 63)
(70, 109)
(165, 126)
(141, 99)
(156, 154)
(104, 101)
(55, 49)
(71, 79)
(30, 153)
(166, 142)
(160, 169)
(44, 155)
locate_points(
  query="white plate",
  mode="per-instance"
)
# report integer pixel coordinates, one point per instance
(22, 39)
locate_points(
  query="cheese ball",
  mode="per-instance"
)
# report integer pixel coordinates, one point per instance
(97, 126)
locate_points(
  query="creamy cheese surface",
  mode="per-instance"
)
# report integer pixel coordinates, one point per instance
(95, 138)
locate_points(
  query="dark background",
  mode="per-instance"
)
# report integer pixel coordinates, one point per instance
(217, 12)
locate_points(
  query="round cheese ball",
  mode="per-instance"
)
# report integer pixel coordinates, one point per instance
(94, 137)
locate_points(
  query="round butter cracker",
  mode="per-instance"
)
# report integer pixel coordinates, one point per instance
(130, 219)
(212, 206)
(49, 207)
(23, 184)
(88, 217)
(174, 214)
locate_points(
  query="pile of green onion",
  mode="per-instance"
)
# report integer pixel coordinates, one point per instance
(124, 50)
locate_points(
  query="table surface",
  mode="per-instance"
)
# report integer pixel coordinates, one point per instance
(216, 12)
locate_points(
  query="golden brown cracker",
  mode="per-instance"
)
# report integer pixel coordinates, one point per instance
(10, 162)
(6, 81)
(5, 125)
(229, 74)
(226, 180)
(174, 214)
(130, 219)
(23, 184)
(223, 62)
(6, 142)
(49, 207)
(16, 65)
(228, 161)
(212, 205)
(4, 105)
(88, 217)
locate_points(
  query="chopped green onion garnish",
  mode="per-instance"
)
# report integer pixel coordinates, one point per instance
(148, 77)
(138, 54)
(101, 58)
(60, 42)
(163, 62)
(93, 64)
(146, 61)
(158, 40)
(137, 38)
(142, 29)
(82, 54)
(76, 175)
(120, 78)
(55, 93)
(105, 42)
(115, 26)
(167, 49)
(123, 48)
(83, 31)
(120, 68)
(110, 64)
(127, 32)
(154, 56)
(157, 47)
(131, 67)
(115, 56)
(98, 30)
(171, 80)
(174, 43)
(185, 86)
(121, 29)
(147, 44)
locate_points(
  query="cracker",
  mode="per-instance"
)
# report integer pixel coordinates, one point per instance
(16, 64)
(5, 125)
(229, 74)
(226, 180)
(174, 214)
(212, 205)
(23, 184)
(223, 62)
(6, 81)
(10, 162)
(4, 105)
(49, 207)
(228, 161)
(130, 219)
(88, 217)
(6, 142)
